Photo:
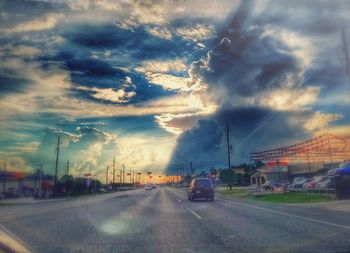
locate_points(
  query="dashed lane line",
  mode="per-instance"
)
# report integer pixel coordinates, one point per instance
(286, 214)
(194, 213)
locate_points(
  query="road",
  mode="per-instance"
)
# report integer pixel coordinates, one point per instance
(163, 220)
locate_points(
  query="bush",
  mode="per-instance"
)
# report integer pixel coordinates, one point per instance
(342, 188)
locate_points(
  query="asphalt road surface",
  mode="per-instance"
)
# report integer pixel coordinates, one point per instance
(163, 220)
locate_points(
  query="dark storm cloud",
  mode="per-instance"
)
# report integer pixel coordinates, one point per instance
(247, 63)
(126, 48)
(19, 11)
(137, 44)
(200, 145)
(81, 63)
(251, 129)
(12, 84)
(322, 17)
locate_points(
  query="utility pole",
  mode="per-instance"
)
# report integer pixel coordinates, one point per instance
(113, 169)
(123, 173)
(67, 167)
(191, 169)
(346, 52)
(330, 150)
(40, 172)
(107, 175)
(228, 146)
(5, 178)
(56, 166)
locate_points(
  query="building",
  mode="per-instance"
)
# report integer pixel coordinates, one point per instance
(25, 184)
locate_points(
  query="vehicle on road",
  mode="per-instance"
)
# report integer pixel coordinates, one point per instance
(154, 186)
(9, 195)
(270, 185)
(327, 182)
(312, 183)
(148, 187)
(300, 183)
(201, 188)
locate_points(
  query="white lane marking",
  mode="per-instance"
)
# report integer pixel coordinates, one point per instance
(179, 200)
(287, 214)
(194, 213)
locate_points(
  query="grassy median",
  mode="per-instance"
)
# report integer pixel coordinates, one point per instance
(286, 198)
(294, 197)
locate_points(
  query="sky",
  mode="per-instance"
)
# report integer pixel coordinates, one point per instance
(154, 83)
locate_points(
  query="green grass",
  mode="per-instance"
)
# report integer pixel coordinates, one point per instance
(234, 192)
(293, 197)
(286, 198)
(12, 204)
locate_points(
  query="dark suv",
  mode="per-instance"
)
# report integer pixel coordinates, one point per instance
(201, 188)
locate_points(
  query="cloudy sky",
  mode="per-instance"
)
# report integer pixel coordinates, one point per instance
(154, 83)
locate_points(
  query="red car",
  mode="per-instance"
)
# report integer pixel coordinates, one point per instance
(312, 183)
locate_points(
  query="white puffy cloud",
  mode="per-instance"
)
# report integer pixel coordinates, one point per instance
(196, 32)
(9, 50)
(158, 72)
(176, 123)
(177, 65)
(161, 32)
(45, 23)
(319, 121)
(288, 99)
(109, 94)
(119, 95)
(161, 13)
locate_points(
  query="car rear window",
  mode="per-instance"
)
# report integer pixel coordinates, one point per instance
(202, 183)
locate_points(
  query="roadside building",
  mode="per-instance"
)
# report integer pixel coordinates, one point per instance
(24, 184)
(271, 171)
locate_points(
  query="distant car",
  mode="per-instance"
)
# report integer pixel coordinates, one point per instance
(148, 187)
(299, 184)
(298, 179)
(9, 195)
(154, 186)
(285, 184)
(269, 185)
(327, 182)
(312, 183)
(201, 188)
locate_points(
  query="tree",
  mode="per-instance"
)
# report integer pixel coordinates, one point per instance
(188, 179)
(79, 185)
(68, 183)
(227, 176)
(95, 185)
